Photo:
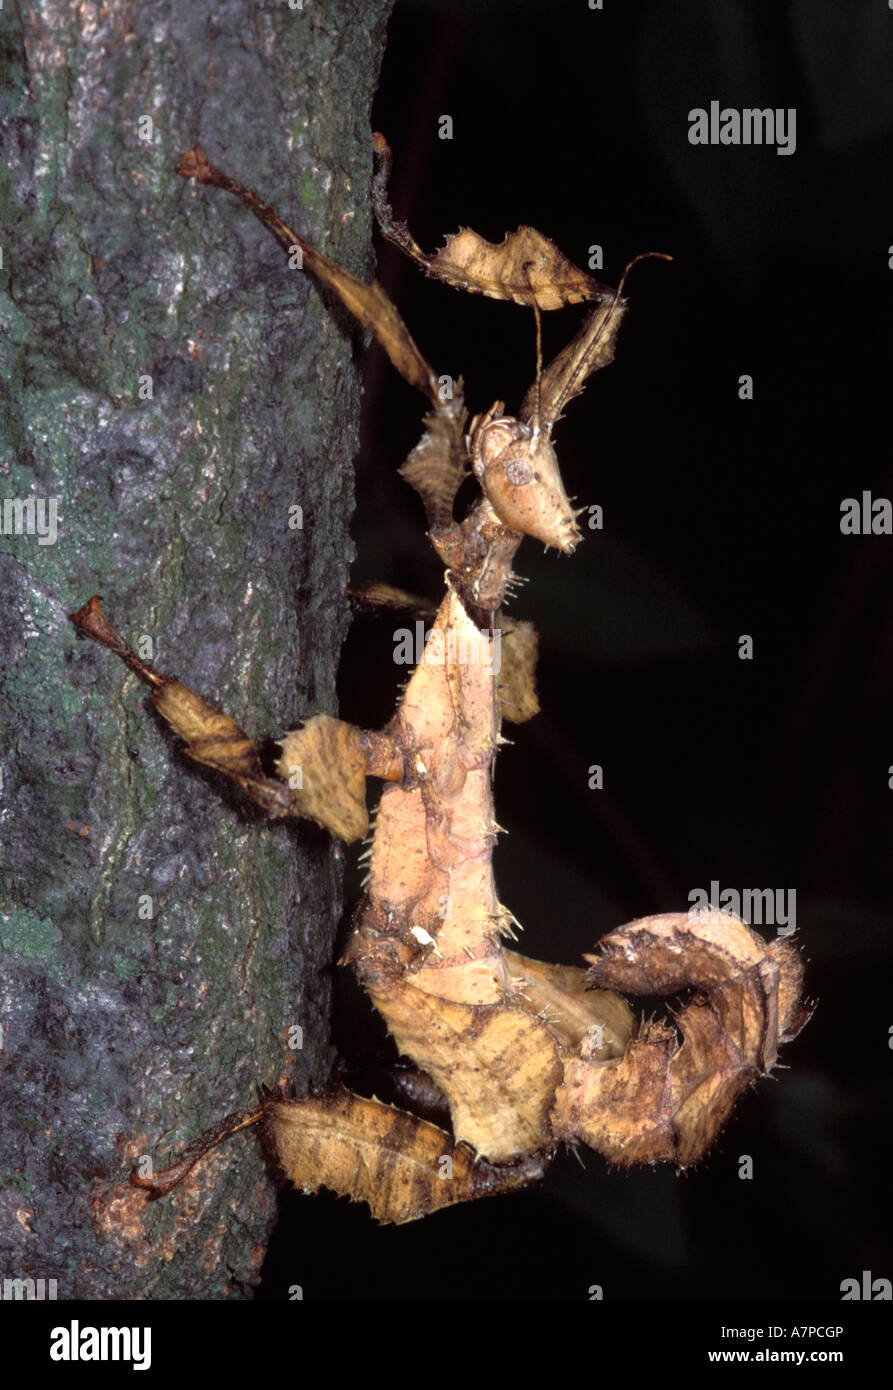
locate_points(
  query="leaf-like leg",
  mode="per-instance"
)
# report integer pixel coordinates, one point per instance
(437, 465)
(368, 303)
(565, 376)
(402, 1167)
(591, 349)
(525, 267)
(323, 766)
(393, 228)
(439, 462)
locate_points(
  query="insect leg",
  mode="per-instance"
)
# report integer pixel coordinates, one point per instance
(323, 766)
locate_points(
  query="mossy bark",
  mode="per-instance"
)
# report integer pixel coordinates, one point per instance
(179, 392)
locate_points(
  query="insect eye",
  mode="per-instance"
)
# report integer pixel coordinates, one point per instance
(518, 472)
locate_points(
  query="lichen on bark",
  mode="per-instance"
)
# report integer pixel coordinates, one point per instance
(157, 939)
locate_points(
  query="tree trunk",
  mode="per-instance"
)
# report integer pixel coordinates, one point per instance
(179, 393)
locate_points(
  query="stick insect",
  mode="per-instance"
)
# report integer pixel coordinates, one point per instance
(521, 1055)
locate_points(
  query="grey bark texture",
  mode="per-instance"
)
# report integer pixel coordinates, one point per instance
(179, 390)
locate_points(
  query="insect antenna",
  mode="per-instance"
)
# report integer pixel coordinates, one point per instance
(584, 365)
(538, 400)
(538, 383)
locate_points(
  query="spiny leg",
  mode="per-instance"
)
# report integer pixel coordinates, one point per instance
(368, 303)
(402, 1167)
(438, 464)
(323, 766)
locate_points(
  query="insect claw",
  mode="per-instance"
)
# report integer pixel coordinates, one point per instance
(575, 1150)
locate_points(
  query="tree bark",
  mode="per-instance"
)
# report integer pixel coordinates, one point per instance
(180, 391)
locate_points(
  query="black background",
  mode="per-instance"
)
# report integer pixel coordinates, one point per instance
(722, 518)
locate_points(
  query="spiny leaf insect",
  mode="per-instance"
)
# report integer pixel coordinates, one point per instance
(519, 1055)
